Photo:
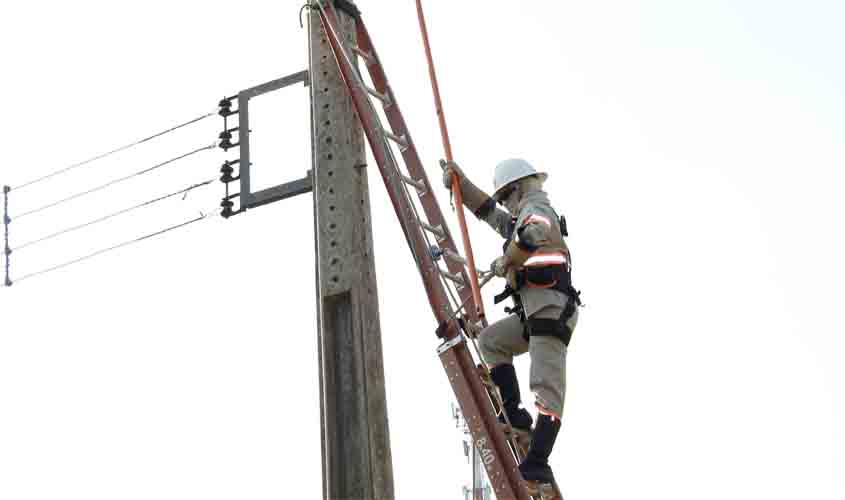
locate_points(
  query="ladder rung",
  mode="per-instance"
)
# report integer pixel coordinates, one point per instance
(437, 231)
(417, 184)
(456, 278)
(400, 140)
(384, 98)
(364, 55)
(454, 257)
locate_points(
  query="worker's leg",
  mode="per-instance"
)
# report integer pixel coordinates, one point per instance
(548, 364)
(499, 343)
(548, 383)
(502, 340)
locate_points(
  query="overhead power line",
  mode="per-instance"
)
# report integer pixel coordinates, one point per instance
(114, 151)
(116, 181)
(112, 215)
(202, 216)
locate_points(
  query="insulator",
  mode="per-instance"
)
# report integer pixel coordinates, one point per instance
(227, 170)
(225, 135)
(225, 107)
(227, 177)
(227, 208)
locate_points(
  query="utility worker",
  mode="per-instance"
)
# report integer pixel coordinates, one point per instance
(537, 265)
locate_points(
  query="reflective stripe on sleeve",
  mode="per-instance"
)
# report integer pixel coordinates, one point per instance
(545, 260)
(539, 219)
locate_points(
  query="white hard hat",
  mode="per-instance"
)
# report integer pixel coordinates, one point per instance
(513, 170)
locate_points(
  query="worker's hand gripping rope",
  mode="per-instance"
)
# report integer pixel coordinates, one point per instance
(450, 170)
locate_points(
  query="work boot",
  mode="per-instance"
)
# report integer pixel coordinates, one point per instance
(535, 466)
(504, 376)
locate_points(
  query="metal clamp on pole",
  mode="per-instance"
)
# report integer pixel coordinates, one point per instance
(7, 251)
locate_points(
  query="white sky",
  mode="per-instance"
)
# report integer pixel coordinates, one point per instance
(696, 148)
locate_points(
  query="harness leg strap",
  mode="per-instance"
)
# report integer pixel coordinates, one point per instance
(544, 327)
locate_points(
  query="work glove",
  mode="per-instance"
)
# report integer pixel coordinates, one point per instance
(450, 168)
(499, 267)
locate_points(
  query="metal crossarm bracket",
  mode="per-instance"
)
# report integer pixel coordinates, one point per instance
(282, 191)
(248, 198)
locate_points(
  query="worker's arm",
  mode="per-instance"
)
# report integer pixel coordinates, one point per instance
(480, 203)
(534, 228)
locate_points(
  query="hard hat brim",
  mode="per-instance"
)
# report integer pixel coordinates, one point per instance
(542, 175)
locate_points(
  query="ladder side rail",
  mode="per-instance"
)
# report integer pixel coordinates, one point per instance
(415, 168)
(468, 387)
(413, 232)
(488, 437)
(441, 229)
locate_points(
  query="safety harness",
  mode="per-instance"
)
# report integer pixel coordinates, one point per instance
(547, 270)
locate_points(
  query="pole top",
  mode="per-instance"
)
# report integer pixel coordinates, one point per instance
(6, 189)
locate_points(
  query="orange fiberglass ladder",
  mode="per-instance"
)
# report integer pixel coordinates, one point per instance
(449, 290)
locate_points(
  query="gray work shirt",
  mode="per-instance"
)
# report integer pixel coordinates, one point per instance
(533, 299)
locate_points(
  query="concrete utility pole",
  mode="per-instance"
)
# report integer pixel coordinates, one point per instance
(356, 440)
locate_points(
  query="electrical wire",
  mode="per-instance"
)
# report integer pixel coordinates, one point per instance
(112, 215)
(116, 181)
(202, 216)
(114, 151)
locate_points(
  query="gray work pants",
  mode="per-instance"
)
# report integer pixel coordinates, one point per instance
(503, 340)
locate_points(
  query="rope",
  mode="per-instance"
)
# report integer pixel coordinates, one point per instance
(114, 151)
(116, 181)
(115, 214)
(115, 247)
(456, 183)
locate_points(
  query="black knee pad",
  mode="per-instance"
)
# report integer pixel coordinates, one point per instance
(543, 327)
